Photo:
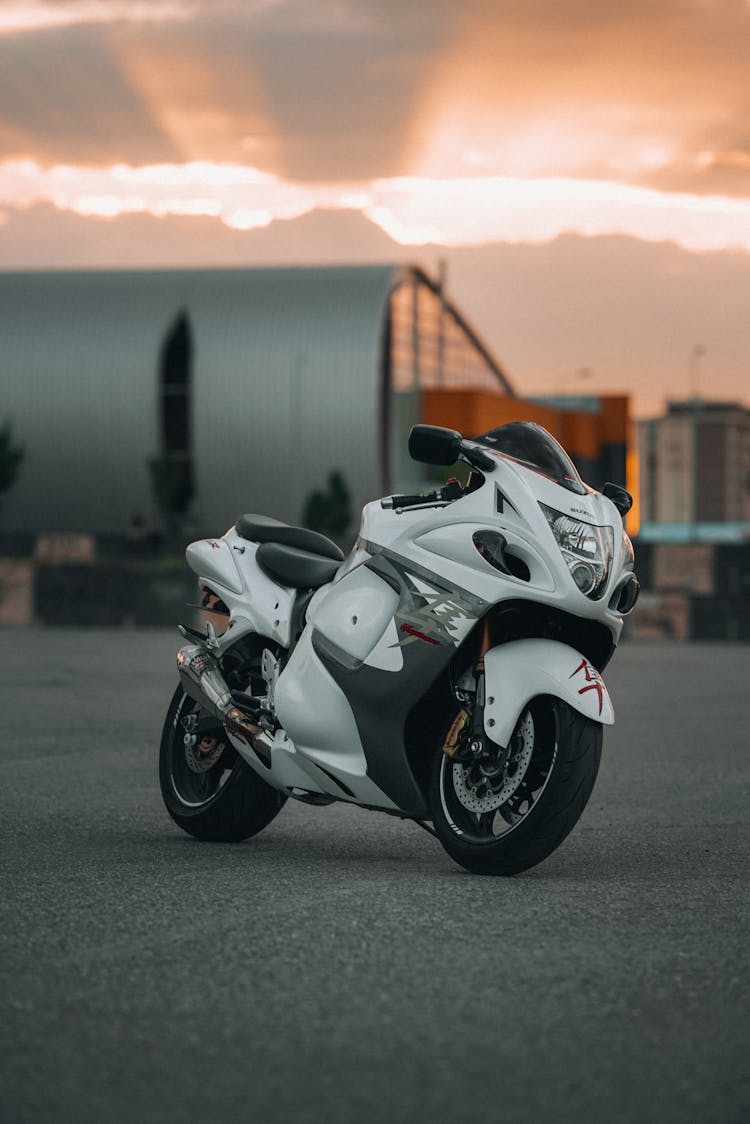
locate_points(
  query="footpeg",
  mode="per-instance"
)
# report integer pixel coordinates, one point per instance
(247, 702)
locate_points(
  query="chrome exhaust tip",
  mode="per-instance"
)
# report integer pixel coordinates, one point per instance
(202, 679)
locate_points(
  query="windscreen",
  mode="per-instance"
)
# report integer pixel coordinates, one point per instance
(531, 444)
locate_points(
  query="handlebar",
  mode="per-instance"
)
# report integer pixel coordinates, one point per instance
(410, 501)
(449, 492)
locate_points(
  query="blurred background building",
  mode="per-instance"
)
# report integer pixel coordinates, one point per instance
(185, 397)
(695, 463)
(152, 407)
(694, 543)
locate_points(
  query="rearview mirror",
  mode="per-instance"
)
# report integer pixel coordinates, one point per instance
(431, 444)
(622, 500)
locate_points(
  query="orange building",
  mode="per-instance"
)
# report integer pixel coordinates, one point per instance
(596, 432)
(442, 373)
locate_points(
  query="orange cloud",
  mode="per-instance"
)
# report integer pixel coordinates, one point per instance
(209, 112)
(631, 92)
(401, 108)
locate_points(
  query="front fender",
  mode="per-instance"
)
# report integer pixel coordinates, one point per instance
(518, 671)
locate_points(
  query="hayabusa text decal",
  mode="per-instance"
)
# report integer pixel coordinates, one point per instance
(431, 609)
(438, 621)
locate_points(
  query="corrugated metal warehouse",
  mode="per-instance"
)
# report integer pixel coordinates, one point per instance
(254, 383)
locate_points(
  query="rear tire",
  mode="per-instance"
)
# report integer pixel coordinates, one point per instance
(226, 803)
(559, 771)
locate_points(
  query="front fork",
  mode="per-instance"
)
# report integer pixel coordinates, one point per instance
(466, 741)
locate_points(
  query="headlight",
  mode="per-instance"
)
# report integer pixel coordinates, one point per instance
(586, 548)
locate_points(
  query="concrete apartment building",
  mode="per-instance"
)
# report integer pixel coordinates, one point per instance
(695, 466)
(693, 551)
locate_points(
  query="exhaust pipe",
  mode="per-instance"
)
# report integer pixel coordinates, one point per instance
(202, 680)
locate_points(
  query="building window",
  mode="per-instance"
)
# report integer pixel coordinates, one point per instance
(432, 347)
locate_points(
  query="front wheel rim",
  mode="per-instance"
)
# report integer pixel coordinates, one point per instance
(482, 820)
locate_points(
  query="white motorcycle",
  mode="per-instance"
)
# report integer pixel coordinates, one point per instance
(447, 671)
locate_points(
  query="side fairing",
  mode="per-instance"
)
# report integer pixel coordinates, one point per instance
(431, 619)
(355, 612)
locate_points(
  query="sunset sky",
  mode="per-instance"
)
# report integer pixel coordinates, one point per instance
(483, 131)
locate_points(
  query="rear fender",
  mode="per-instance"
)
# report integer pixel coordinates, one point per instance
(212, 559)
(517, 672)
(255, 602)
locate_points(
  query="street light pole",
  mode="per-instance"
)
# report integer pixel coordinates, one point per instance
(579, 374)
(694, 368)
(694, 374)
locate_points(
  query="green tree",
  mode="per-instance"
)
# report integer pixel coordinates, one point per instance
(329, 510)
(11, 458)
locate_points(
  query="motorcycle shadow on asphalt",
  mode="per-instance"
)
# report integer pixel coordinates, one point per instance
(660, 854)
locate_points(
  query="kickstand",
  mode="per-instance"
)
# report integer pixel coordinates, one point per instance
(423, 825)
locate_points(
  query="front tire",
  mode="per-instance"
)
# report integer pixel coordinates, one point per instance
(505, 822)
(224, 803)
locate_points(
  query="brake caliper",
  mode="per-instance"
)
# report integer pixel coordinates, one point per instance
(456, 739)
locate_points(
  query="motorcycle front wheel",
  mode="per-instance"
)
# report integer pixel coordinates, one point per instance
(213, 795)
(501, 816)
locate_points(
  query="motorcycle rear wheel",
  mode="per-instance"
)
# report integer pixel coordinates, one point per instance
(556, 754)
(227, 802)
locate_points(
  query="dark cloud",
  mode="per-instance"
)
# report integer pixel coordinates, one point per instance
(42, 237)
(643, 89)
(334, 85)
(343, 95)
(353, 89)
(65, 99)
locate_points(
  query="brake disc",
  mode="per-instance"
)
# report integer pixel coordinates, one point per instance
(202, 755)
(489, 793)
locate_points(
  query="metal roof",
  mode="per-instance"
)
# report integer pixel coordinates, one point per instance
(285, 387)
(287, 384)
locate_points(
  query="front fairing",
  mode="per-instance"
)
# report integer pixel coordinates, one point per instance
(507, 502)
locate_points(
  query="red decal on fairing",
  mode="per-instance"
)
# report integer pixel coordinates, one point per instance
(419, 635)
(593, 679)
(214, 545)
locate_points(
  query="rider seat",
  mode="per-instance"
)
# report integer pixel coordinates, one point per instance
(300, 569)
(265, 529)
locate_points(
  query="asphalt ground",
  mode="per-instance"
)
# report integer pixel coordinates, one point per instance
(339, 967)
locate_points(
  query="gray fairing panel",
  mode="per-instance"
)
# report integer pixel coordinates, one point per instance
(382, 700)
